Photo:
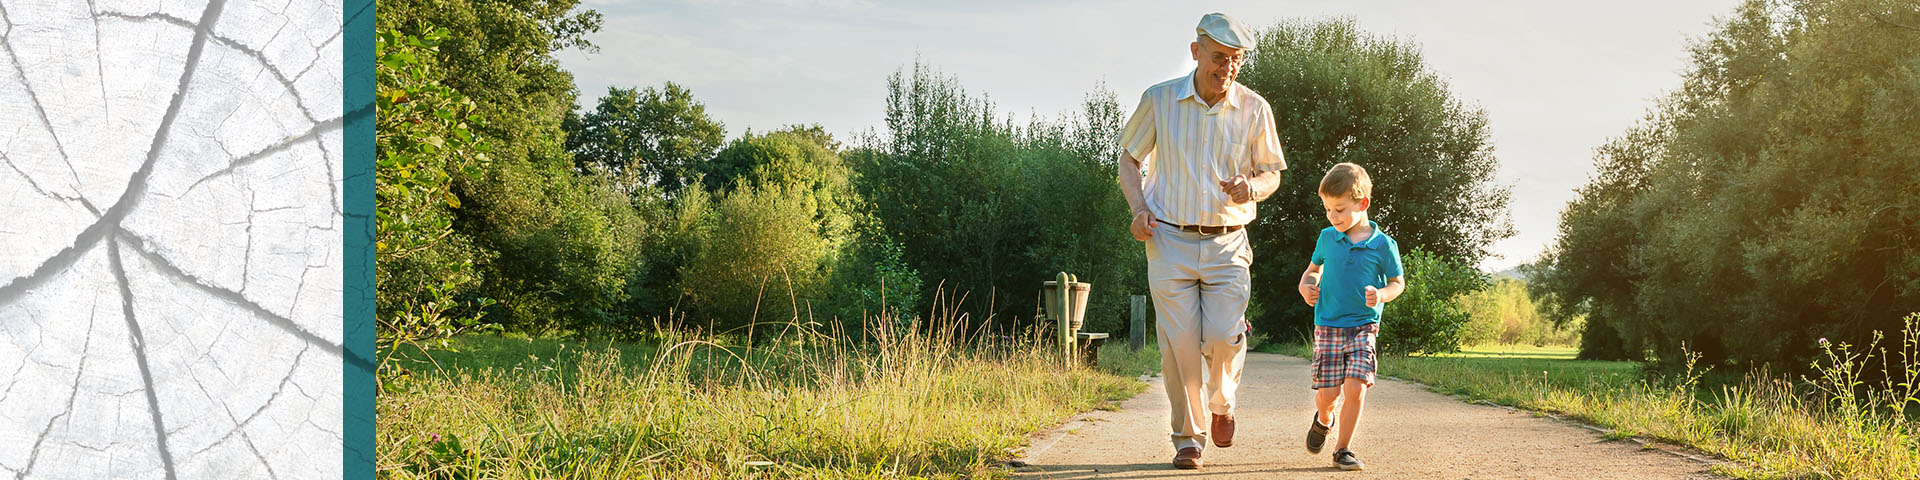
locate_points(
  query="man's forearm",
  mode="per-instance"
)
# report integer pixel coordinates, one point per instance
(1264, 184)
(1130, 183)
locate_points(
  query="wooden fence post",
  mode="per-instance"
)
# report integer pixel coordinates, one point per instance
(1137, 334)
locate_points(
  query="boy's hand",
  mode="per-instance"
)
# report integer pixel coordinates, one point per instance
(1373, 297)
(1310, 292)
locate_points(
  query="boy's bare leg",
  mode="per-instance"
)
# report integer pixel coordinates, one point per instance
(1323, 401)
(1355, 393)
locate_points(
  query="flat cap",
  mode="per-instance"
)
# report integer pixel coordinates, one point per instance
(1226, 30)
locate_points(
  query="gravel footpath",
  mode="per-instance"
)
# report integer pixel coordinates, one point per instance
(1406, 432)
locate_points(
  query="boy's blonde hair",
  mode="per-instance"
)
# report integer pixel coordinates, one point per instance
(1347, 180)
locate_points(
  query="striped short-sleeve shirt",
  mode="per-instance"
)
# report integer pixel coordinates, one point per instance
(1187, 148)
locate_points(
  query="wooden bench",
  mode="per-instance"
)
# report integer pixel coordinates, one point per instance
(1089, 344)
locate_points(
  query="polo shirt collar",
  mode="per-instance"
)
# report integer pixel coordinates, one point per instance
(1373, 239)
(1187, 91)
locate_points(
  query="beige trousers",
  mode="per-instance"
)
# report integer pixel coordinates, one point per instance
(1200, 286)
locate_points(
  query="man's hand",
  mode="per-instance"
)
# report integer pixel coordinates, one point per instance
(1238, 189)
(1143, 225)
(1373, 297)
(1310, 292)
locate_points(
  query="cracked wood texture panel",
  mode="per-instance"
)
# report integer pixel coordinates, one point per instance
(170, 239)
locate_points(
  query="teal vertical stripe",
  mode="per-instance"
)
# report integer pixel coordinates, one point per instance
(357, 282)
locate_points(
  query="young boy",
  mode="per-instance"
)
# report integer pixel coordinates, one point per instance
(1355, 271)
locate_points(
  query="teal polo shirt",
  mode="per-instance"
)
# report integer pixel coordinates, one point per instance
(1346, 268)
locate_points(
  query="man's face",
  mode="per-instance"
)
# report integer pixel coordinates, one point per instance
(1219, 64)
(1343, 212)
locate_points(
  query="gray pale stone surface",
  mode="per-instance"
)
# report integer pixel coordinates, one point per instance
(170, 239)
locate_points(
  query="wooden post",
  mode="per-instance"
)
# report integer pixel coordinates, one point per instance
(1137, 333)
(1066, 331)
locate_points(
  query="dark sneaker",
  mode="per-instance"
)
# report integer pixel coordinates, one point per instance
(1317, 434)
(1344, 459)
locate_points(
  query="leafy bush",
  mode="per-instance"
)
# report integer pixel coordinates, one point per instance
(876, 282)
(423, 142)
(765, 256)
(677, 227)
(1427, 317)
(566, 247)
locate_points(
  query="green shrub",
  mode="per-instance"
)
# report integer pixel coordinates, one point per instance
(765, 259)
(1427, 317)
(875, 281)
(565, 246)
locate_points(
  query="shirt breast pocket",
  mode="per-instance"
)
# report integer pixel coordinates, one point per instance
(1231, 158)
(1217, 146)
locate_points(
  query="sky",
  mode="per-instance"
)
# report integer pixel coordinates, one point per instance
(1556, 79)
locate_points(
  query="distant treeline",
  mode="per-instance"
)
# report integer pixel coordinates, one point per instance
(502, 201)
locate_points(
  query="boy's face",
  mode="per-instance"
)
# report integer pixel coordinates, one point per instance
(1344, 212)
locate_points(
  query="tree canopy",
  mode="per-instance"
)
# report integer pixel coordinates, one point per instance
(1340, 94)
(659, 137)
(1775, 191)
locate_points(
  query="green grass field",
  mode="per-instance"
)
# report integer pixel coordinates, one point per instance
(1550, 352)
(682, 407)
(1764, 423)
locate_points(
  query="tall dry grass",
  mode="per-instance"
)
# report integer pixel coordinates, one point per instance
(920, 401)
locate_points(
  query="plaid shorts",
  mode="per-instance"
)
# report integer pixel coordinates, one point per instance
(1342, 353)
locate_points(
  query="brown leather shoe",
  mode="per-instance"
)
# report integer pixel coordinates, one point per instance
(1222, 431)
(1187, 459)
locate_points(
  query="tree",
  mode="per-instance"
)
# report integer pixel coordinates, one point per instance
(423, 141)
(799, 166)
(1504, 312)
(1340, 94)
(658, 137)
(503, 60)
(1586, 273)
(1777, 182)
(555, 247)
(791, 157)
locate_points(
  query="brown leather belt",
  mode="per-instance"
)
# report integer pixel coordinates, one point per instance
(1209, 230)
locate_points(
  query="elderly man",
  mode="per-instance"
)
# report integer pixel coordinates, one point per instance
(1198, 152)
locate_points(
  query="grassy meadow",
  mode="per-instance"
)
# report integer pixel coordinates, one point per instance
(686, 406)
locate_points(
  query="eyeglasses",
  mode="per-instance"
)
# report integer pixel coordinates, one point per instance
(1229, 62)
